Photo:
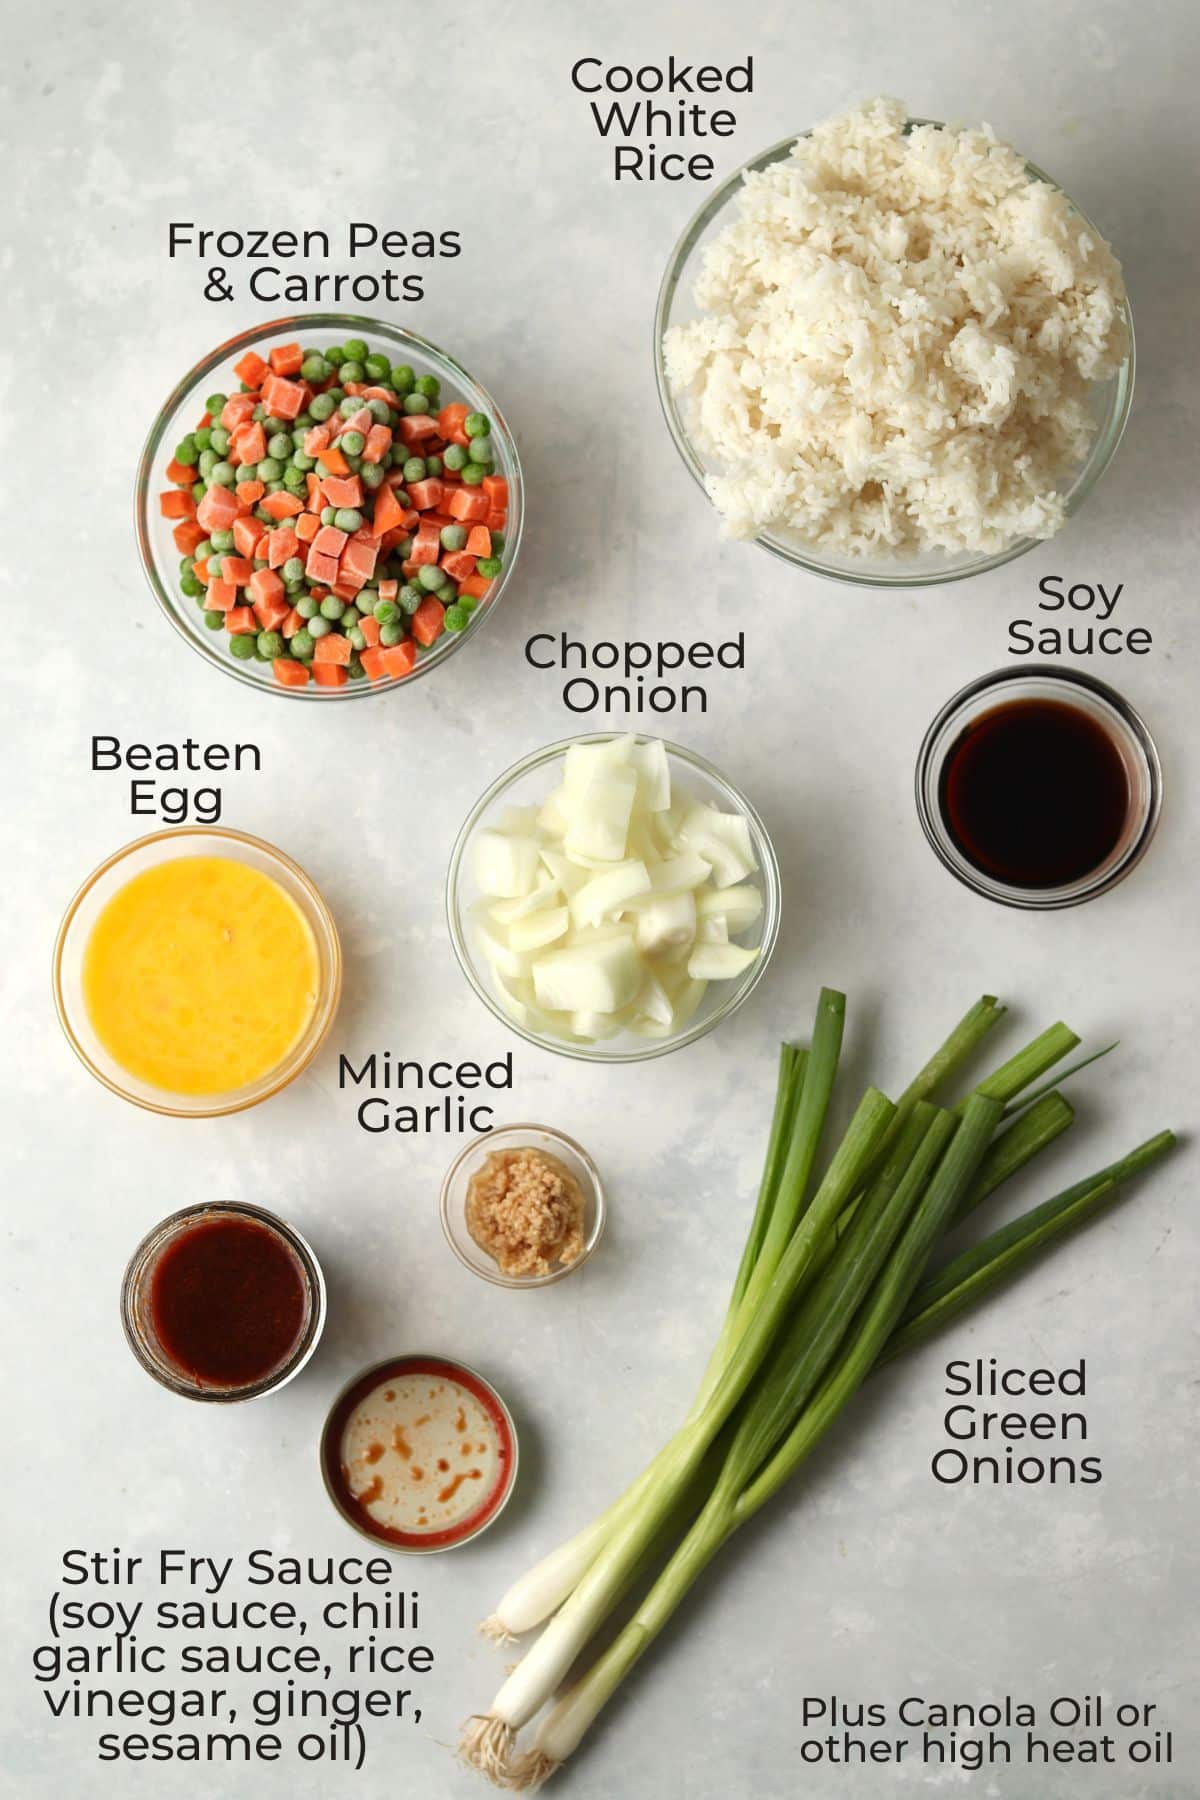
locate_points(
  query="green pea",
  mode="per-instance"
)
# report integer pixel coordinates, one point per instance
(222, 541)
(215, 404)
(473, 474)
(433, 465)
(402, 377)
(386, 612)
(414, 403)
(477, 425)
(498, 541)
(489, 567)
(350, 617)
(454, 456)
(191, 587)
(331, 607)
(259, 413)
(315, 367)
(199, 489)
(270, 469)
(410, 597)
(276, 428)
(376, 366)
(273, 487)
(356, 349)
(351, 370)
(203, 550)
(328, 515)
(372, 475)
(293, 569)
(294, 478)
(354, 668)
(455, 618)
(481, 449)
(391, 633)
(353, 461)
(303, 422)
(429, 385)
(348, 407)
(353, 443)
(466, 603)
(380, 411)
(219, 440)
(453, 537)
(280, 445)
(208, 462)
(202, 436)
(308, 608)
(414, 469)
(348, 518)
(302, 645)
(223, 473)
(187, 452)
(270, 645)
(322, 407)
(243, 646)
(431, 578)
(335, 356)
(302, 461)
(319, 626)
(357, 638)
(336, 394)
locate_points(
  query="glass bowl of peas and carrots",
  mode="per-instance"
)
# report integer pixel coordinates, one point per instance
(327, 505)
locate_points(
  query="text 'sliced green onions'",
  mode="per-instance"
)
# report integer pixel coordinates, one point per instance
(832, 1283)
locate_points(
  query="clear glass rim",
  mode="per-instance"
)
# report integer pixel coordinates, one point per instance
(151, 450)
(314, 1281)
(599, 1205)
(1104, 447)
(416, 1357)
(293, 1065)
(653, 1047)
(940, 736)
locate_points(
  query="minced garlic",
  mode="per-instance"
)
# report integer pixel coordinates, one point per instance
(525, 1210)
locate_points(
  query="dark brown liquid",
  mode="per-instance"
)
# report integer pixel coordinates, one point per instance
(228, 1302)
(1035, 793)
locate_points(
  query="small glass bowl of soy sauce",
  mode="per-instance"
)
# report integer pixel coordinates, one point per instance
(1039, 786)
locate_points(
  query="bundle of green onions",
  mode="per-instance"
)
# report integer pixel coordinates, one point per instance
(831, 1284)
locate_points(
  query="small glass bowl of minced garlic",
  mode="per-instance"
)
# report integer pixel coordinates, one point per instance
(523, 1206)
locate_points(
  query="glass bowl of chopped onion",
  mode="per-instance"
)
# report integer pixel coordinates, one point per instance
(516, 1243)
(622, 949)
(1107, 401)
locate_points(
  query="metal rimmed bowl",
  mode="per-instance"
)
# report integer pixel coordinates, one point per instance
(184, 407)
(468, 1162)
(1124, 727)
(100, 887)
(1110, 402)
(530, 781)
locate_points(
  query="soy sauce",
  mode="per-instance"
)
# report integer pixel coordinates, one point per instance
(228, 1301)
(1035, 793)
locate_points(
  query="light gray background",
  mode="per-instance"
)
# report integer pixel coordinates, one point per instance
(868, 1580)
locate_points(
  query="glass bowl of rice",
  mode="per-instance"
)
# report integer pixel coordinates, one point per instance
(1108, 402)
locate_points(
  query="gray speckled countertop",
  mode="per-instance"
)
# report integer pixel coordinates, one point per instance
(868, 1581)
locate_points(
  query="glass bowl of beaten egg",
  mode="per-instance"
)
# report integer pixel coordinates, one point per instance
(197, 972)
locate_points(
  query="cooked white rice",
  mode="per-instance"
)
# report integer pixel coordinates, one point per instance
(898, 335)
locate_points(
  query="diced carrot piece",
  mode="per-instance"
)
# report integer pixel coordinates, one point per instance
(317, 438)
(348, 586)
(236, 410)
(285, 359)
(200, 570)
(470, 504)
(373, 664)
(359, 559)
(249, 442)
(240, 620)
(360, 421)
(388, 512)
(236, 569)
(332, 648)
(409, 568)
(370, 627)
(379, 442)
(342, 490)
(427, 546)
(246, 534)
(328, 674)
(427, 621)
(320, 567)
(329, 541)
(264, 584)
(314, 498)
(282, 543)
(250, 369)
(353, 387)
(496, 519)
(181, 474)
(291, 625)
(378, 393)
(399, 659)
(307, 527)
(450, 416)
(221, 595)
(416, 427)
(289, 673)
(187, 534)
(427, 493)
(249, 493)
(282, 505)
(496, 489)
(475, 586)
(388, 590)
(271, 612)
(334, 462)
(458, 564)
(479, 541)
(173, 503)
(217, 510)
(283, 399)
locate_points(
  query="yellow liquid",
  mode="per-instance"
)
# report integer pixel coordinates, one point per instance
(200, 975)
